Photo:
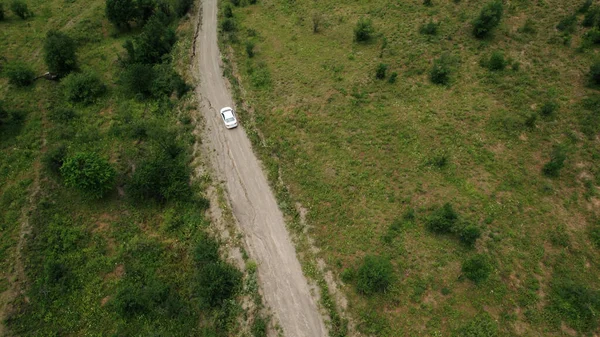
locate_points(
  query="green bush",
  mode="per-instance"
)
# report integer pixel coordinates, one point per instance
(182, 7)
(206, 251)
(88, 172)
(594, 234)
(381, 71)
(120, 12)
(165, 81)
(548, 108)
(375, 275)
(83, 88)
(217, 282)
(228, 25)
(557, 161)
(496, 62)
(585, 6)
(428, 3)
(442, 220)
(61, 114)
(259, 327)
(575, 303)
(530, 120)
(477, 268)
(440, 73)
(567, 24)
(528, 27)
(20, 9)
(1, 11)
(469, 234)
(429, 28)
(590, 38)
(60, 53)
(488, 19)
(250, 49)
(363, 32)
(137, 79)
(348, 275)
(393, 77)
(482, 325)
(19, 74)
(592, 17)
(155, 41)
(228, 11)
(161, 177)
(55, 158)
(594, 73)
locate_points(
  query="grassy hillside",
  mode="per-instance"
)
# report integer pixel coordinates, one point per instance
(510, 143)
(95, 173)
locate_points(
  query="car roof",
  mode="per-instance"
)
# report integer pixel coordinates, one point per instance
(226, 108)
(227, 113)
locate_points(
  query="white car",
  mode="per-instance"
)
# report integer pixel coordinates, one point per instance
(228, 116)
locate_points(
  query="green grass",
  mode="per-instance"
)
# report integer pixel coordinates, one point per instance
(358, 152)
(113, 265)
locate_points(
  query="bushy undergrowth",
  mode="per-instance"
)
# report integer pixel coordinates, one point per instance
(19, 74)
(488, 19)
(576, 303)
(477, 268)
(375, 275)
(440, 72)
(83, 87)
(20, 9)
(557, 162)
(429, 28)
(60, 53)
(88, 172)
(364, 31)
(482, 325)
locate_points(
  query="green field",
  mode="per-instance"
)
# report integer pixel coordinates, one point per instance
(96, 172)
(515, 152)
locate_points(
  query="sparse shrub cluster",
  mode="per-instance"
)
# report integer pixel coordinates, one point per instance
(592, 16)
(496, 61)
(19, 74)
(380, 73)
(375, 275)
(557, 162)
(576, 303)
(363, 32)
(60, 53)
(440, 72)
(20, 9)
(429, 28)
(488, 19)
(548, 108)
(146, 81)
(154, 43)
(568, 24)
(445, 220)
(83, 87)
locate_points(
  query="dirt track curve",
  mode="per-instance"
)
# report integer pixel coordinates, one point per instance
(283, 285)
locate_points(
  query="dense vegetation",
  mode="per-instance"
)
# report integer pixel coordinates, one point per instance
(95, 174)
(460, 196)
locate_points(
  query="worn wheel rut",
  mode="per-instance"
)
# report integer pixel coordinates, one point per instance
(284, 287)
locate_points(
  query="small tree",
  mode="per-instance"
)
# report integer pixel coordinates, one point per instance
(137, 79)
(556, 163)
(19, 8)
(363, 32)
(374, 275)
(60, 53)
(469, 234)
(477, 268)
(83, 87)
(155, 41)
(228, 25)
(440, 73)
(429, 28)
(228, 10)
(1, 11)
(218, 282)
(548, 108)
(182, 7)
(250, 49)
(120, 12)
(381, 71)
(443, 219)
(88, 172)
(594, 73)
(19, 74)
(488, 19)
(496, 62)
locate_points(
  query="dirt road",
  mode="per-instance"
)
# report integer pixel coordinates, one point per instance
(283, 285)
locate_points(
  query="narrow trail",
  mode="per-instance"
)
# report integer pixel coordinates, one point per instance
(284, 287)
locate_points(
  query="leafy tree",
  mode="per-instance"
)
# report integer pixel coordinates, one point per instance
(60, 53)
(155, 41)
(496, 62)
(182, 7)
(137, 79)
(166, 81)
(83, 87)
(440, 73)
(20, 9)
(443, 219)
(120, 12)
(381, 71)
(19, 74)
(217, 282)
(1, 11)
(477, 268)
(374, 275)
(488, 19)
(557, 161)
(429, 28)
(594, 73)
(363, 32)
(228, 25)
(88, 172)
(469, 234)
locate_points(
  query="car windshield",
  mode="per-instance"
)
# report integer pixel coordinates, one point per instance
(230, 119)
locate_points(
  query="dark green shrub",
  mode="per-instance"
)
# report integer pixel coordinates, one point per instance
(137, 79)
(252, 2)
(120, 12)
(182, 7)
(557, 161)
(348, 275)
(217, 282)
(60, 53)
(161, 177)
(381, 71)
(428, 3)
(488, 19)
(236, 2)
(530, 120)
(559, 236)
(83, 88)
(528, 27)
(477, 268)
(482, 325)
(166, 80)
(363, 32)
(228, 25)
(592, 17)
(594, 234)
(393, 77)
(594, 73)
(88, 172)
(585, 6)
(497, 62)
(19, 74)
(259, 326)
(590, 38)
(440, 73)
(429, 28)
(567, 24)
(469, 234)
(19, 8)
(1, 11)
(443, 219)
(548, 108)
(140, 296)
(317, 19)
(55, 158)
(575, 303)
(61, 114)
(206, 251)
(228, 11)
(439, 159)
(250, 49)
(374, 275)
